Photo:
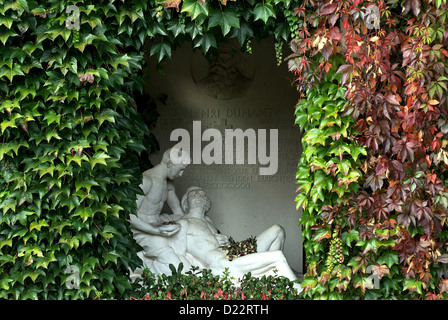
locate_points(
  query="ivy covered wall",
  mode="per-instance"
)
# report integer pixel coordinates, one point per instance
(374, 178)
(371, 80)
(71, 135)
(69, 143)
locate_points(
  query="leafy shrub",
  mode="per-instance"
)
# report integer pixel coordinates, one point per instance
(203, 285)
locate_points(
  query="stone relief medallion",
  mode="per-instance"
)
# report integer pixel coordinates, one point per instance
(225, 76)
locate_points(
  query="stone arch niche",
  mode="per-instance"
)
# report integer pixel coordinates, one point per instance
(231, 91)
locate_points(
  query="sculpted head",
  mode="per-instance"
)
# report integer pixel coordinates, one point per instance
(195, 198)
(176, 161)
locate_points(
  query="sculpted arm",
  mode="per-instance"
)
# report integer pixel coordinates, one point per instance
(146, 188)
(158, 230)
(143, 226)
(140, 225)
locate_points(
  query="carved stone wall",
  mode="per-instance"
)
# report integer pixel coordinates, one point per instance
(235, 91)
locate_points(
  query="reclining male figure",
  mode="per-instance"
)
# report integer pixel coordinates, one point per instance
(199, 238)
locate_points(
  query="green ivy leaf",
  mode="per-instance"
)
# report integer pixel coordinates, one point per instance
(194, 29)
(9, 73)
(355, 151)
(321, 234)
(98, 158)
(6, 242)
(344, 166)
(161, 50)
(76, 158)
(322, 180)
(84, 212)
(59, 225)
(6, 21)
(205, 41)
(225, 19)
(108, 232)
(11, 123)
(122, 59)
(388, 258)
(176, 28)
(6, 34)
(195, 8)
(264, 11)
(243, 32)
(315, 136)
(363, 283)
(369, 245)
(412, 285)
(309, 282)
(282, 31)
(349, 236)
(38, 225)
(52, 134)
(110, 256)
(106, 115)
(85, 183)
(51, 117)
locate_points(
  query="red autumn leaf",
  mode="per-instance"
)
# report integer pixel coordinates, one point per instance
(416, 7)
(405, 218)
(411, 88)
(335, 34)
(411, 4)
(299, 11)
(346, 24)
(436, 144)
(346, 70)
(420, 210)
(393, 204)
(382, 165)
(405, 149)
(328, 8)
(432, 296)
(380, 270)
(364, 201)
(324, 278)
(333, 19)
(392, 99)
(431, 178)
(327, 50)
(374, 181)
(172, 4)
